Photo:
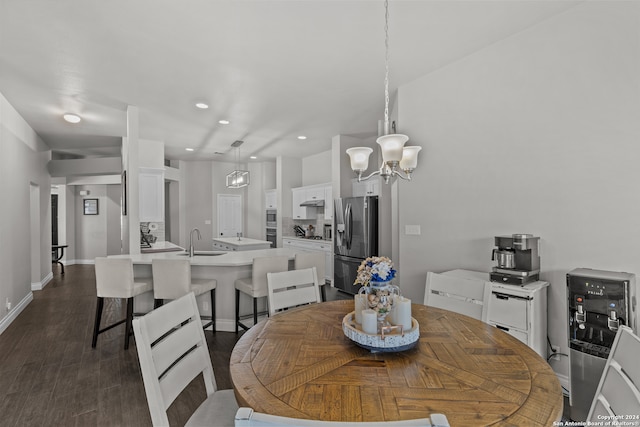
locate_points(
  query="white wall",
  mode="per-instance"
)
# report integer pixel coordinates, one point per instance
(316, 169)
(96, 235)
(535, 134)
(23, 160)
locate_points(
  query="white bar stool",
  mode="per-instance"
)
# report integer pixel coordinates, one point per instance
(317, 260)
(172, 280)
(114, 279)
(256, 285)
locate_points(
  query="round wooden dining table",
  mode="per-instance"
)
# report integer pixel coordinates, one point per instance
(300, 364)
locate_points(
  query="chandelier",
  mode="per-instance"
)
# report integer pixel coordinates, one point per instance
(397, 160)
(238, 178)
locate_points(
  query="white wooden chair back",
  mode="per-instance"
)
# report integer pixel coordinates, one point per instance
(171, 278)
(247, 417)
(618, 393)
(465, 296)
(172, 352)
(292, 288)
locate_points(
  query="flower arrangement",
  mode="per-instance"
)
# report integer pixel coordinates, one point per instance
(377, 269)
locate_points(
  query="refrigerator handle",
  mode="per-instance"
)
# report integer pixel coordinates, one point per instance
(348, 221)
(365, 223)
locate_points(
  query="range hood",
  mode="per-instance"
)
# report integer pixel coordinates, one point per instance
(313, 203)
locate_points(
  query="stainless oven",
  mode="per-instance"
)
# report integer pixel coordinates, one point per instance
(272, 236)
(271, 218)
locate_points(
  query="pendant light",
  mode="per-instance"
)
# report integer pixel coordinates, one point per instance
(238, 178)
(396, 158)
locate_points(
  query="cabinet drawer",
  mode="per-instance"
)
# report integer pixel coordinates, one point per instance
(508, 310)
(522, 336)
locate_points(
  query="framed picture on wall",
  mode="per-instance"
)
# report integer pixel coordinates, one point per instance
(91, 206)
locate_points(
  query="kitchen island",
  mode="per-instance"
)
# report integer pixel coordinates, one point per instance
(225, 267)
(239, 244)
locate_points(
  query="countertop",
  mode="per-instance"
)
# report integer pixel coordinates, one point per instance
(227, 259)
(161, 247)
(304, 239)
(244, 241)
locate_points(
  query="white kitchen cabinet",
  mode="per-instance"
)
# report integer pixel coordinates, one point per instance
(151, 195)
(520, 311)
(270, 199)
(311, 245)
(370, 187)
(299, 195)
(328, 202)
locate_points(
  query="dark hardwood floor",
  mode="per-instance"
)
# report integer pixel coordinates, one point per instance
(50, 375)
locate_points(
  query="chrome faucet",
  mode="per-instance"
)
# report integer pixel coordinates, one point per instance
(191, 251)
(239, 235)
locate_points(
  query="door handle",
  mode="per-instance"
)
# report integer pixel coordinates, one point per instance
(348, 221)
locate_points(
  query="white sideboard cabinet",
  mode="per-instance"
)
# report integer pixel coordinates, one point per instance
(520, 311)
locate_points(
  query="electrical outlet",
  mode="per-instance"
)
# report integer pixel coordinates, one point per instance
(8, 305)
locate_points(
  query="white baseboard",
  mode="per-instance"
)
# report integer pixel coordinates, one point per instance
(38, 286)
(6, 321)
(81, 261)
(224, 325)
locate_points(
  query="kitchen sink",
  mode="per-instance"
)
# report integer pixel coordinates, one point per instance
(203, 253)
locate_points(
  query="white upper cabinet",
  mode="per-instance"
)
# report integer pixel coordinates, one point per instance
(298, 196)
(151, 195)
(370, 187)
(270, 199)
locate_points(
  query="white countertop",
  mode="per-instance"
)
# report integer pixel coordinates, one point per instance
(228, 259)
(244, 241)
(304, 239)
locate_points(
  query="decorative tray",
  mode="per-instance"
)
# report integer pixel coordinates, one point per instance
(389, 342)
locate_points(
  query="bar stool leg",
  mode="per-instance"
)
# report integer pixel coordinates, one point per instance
(96, 326)
(323, 293)
(255, 311)
(237, 309)
(128, 330)
(158, 303)
(213, 310)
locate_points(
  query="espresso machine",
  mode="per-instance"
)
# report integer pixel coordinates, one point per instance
(518, 262)
(599, 302)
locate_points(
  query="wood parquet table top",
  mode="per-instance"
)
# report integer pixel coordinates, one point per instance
(299, 364)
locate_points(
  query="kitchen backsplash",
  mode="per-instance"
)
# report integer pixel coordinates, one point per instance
(318, 225)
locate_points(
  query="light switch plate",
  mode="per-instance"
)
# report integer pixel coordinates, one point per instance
(412, 230)
(207, 222)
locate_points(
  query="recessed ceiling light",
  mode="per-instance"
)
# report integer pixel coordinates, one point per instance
(224, 122)
(302, 137)
(253, 157)
(72, 118)
(189, 149)
(202, 105)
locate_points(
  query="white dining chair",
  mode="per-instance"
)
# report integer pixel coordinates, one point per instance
(114, 279)
(247, 417)
(618, 393)
(465, 296)
(256, 285)
(172, 351)
(292, 288)
(172, 279)
(317, 260)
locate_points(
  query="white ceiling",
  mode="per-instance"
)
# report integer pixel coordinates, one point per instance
(275, 69)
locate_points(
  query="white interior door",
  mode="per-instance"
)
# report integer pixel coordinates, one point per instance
(229, 215)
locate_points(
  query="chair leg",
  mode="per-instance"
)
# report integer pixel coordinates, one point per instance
(158, 303)
(237, 309)
(128, 323)
(255, 311)
(213, 310)
(323, 293)
(96, 326)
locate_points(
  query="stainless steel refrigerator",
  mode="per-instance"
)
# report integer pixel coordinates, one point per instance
(355, 237)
